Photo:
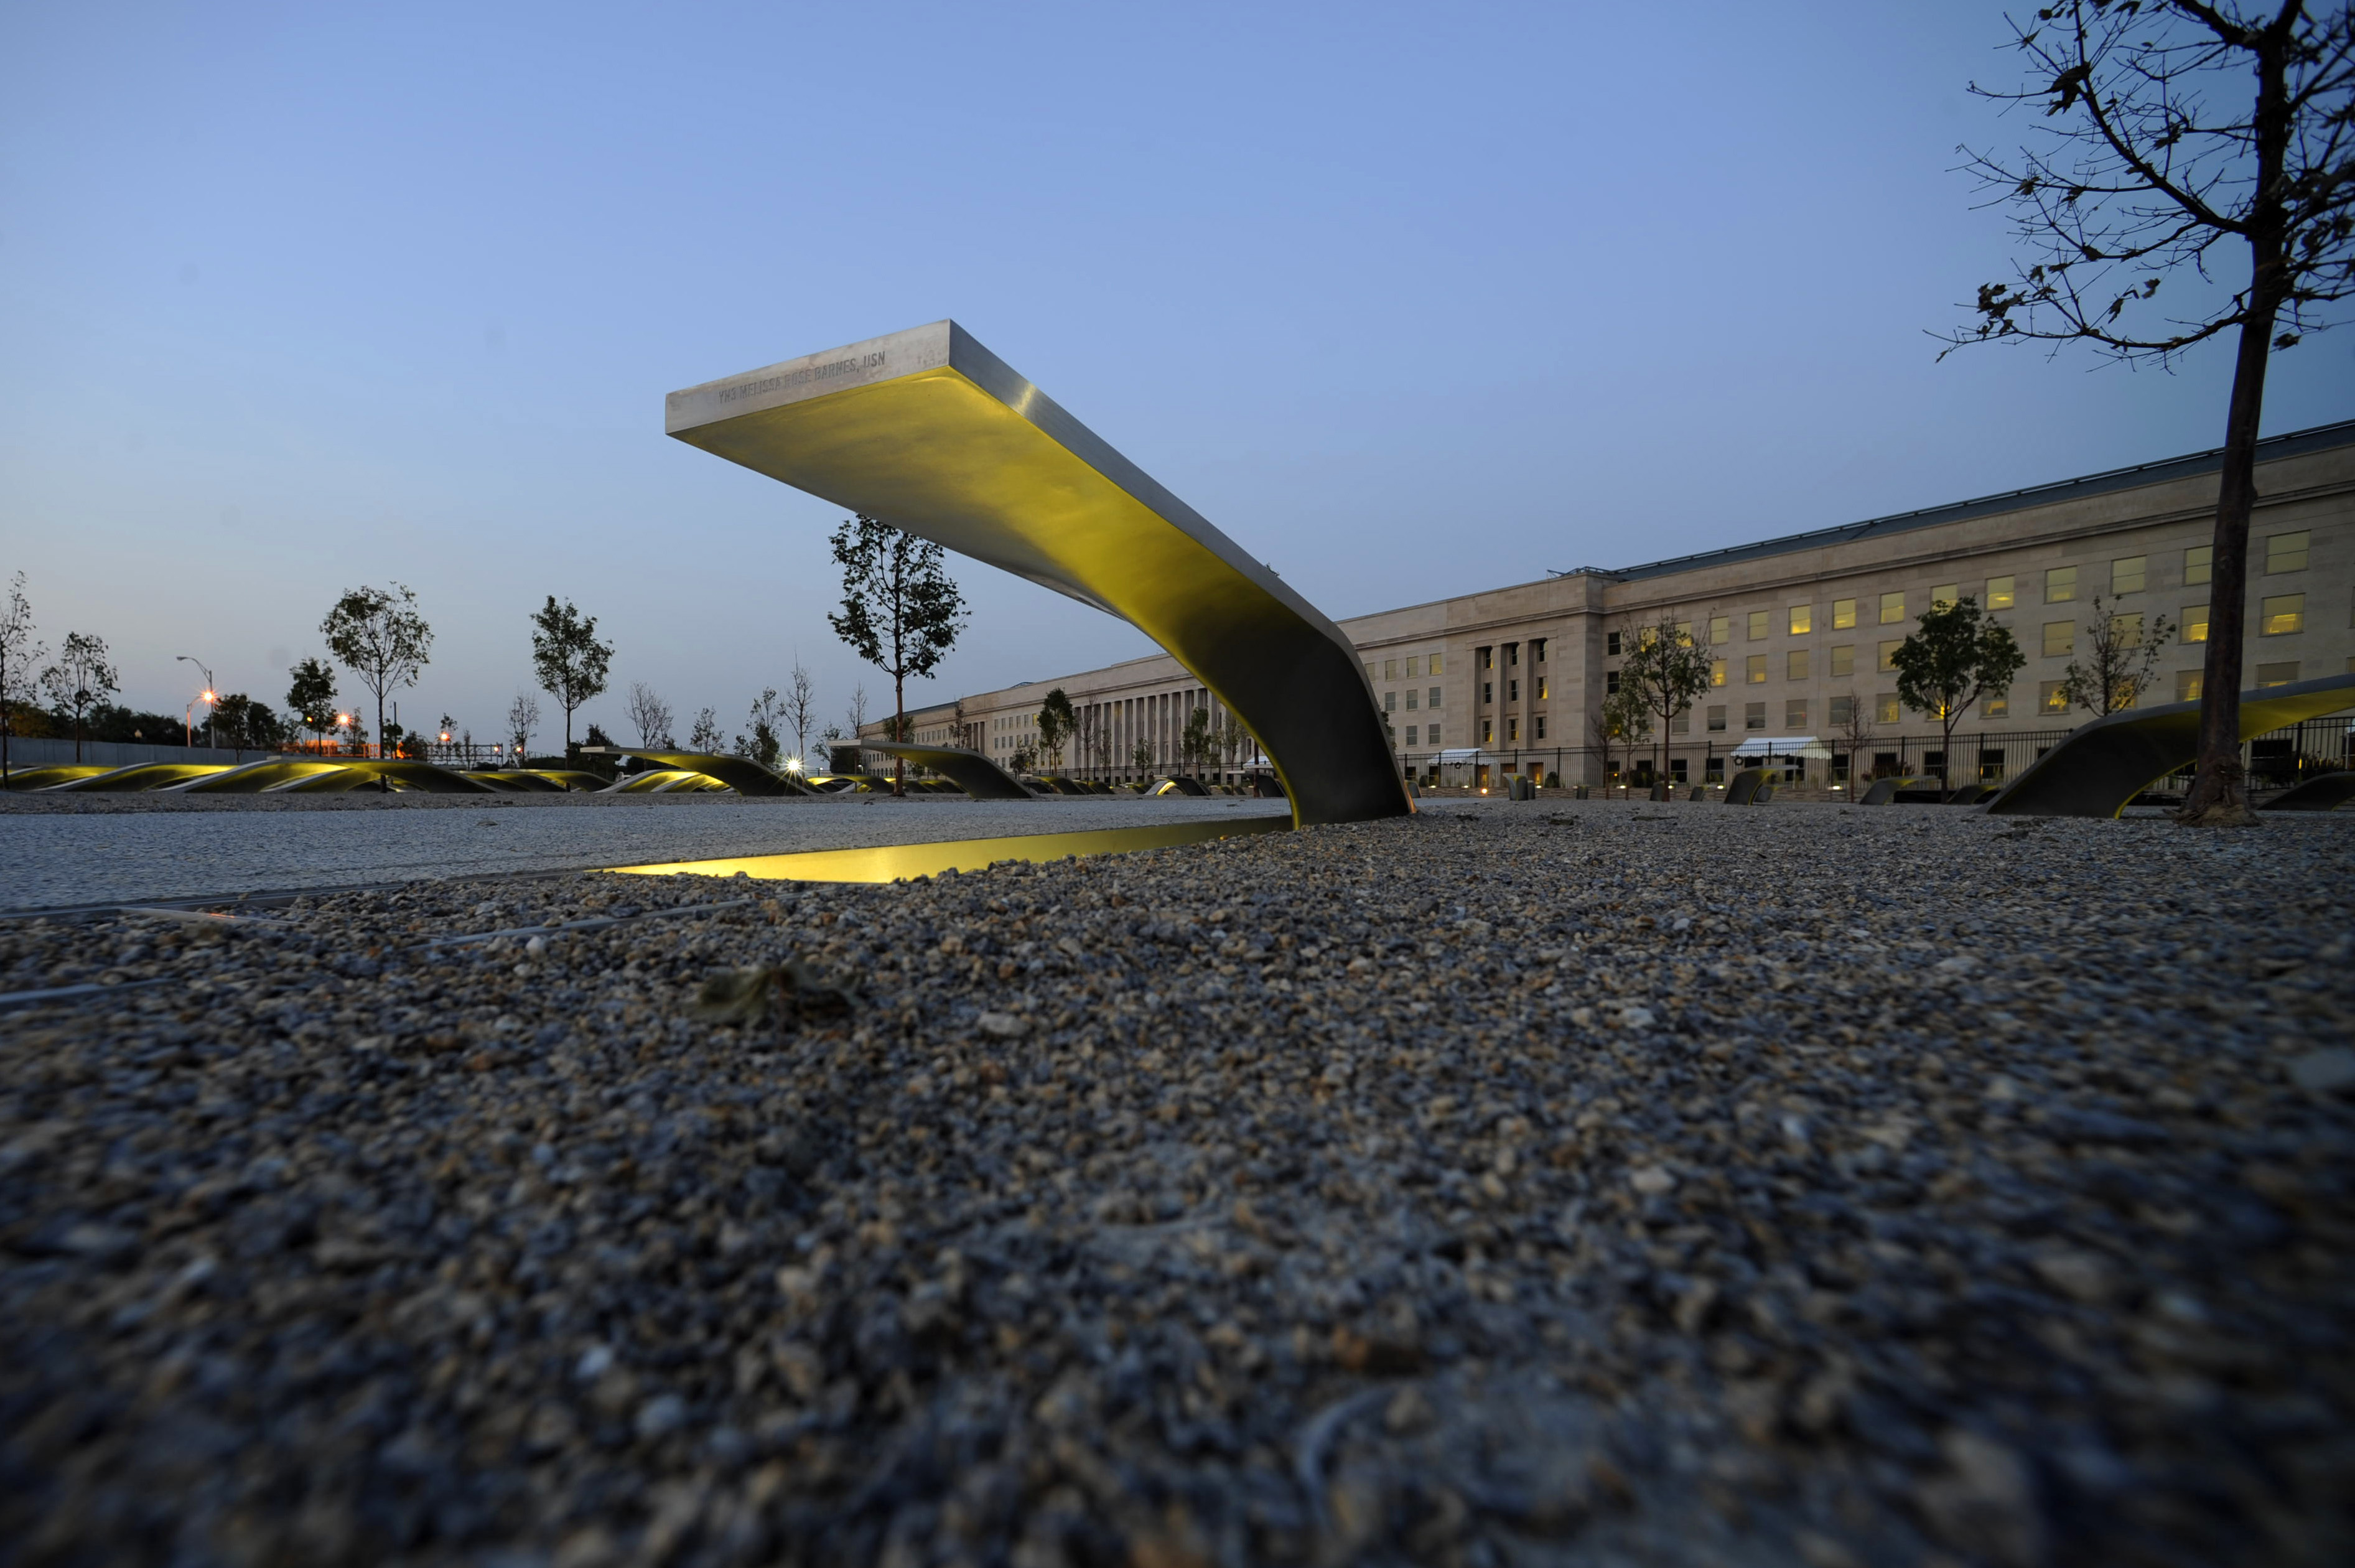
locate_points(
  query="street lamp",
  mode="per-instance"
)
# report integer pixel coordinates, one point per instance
(187, 715)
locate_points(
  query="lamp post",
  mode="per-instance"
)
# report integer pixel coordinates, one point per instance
(187, 717)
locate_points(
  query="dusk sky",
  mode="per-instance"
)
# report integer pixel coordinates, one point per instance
(1409, 301)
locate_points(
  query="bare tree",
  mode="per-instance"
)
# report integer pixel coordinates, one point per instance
(799, 710)
(1621, 719)
(523, 718)
(2121, 655)
(705, 735)
(1854, 730)
(2184, 140)
(18, 655)
(80, 680)
(650, 713)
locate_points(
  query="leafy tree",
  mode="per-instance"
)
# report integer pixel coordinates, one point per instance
(523, 718)
(245, 724)
(81, 679)
(761, 746)
(1621, 720)
(1666, 666)
(900, 611)
(1057, 721)
(2182, 140)
(311, 697)
(19, 653)
(568, 659)
(799, 710)
(2120, 658)
(379, 635)
(1958, 654)
(1195, 741)
(1140, 756)
(704, 734)
(651, 714)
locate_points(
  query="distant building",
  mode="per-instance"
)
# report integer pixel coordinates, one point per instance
(1509, 680)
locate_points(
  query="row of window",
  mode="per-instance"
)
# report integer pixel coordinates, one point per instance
(1429, 697)
(1416, 664)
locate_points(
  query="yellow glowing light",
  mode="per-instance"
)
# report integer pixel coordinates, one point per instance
(793, 764)
(896, 862)
(209, 697)
(445, 737)
(344, 718)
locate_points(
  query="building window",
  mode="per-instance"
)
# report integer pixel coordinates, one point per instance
(1844, 660)
(1884, 707)
(2000, 594)
(1843, 710)
(1889, 655)
(2286, 552)
(1893, 609)
(1513, 731)
(1390, 701)
(1488, 687)
(1945, 595)
(1721, 631)
(1794, 714)
(1796, 665)
(2126, 574)
(1542, 726)
(1754, 669)
(1843, 614)
(1803, 620)
(1543, 684)
(2187, 685)
(1753, 716)
(1513, 655)
(2059, 584)
(2195, 623)
(1611, 644)
(1389, 670)
(1996, 705)
(1414, 667)
(2053, 697)
(1370, 672)
(1757, 624)
(1487, 731)
(1411, 695)
(2281, 616)
(1431, 698)
(1513, 690)
(1410, 734)
(1680, 723)
(1684, 633)
(2126, 630)
(1717, 672)
(2198, 562)
(1537, 650)
(2278, 674)
(2060, 637)
(1431, 736)
(1611, 682)
(1717, 716)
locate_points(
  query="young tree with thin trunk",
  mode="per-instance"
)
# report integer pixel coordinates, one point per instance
(1056, 721)
(1958, 654)
(379, 635)
(2120, 658)
(650, 713)
(1855, 730)
(19, 653)
(570, 662)
(900, 611)
(80, 680)
(1140, 756)
(311, 696)
(523, 718)
(760, 745)
(2184, 142)
(1621, 721)
(704, 734)
(1666, 666)
(800, 710)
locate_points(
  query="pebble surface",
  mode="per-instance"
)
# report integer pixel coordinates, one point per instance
(1589, 1183)
(79, 849)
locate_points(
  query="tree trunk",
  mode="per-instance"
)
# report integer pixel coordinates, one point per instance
(2217, 798)
(899, 731)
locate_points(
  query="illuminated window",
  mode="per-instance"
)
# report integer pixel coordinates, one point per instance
(1488, 656)
(1893, 609)
(1995, 704)
(1754, 669)
(1753, 716)
(2197, 562)
(1757, 624)
(2060, 637)
(1435, 667)
(2195, 623)
(1889, 655)
(1721, 631)
(2286, 552)
(1843, 614)
(1389, 670)
(1717, 716)
(2000, 594)
(1844, 660)
(1684, 633)
(1843, 710)
(2053, 697)
(1543, 684)
(2126, 574)
(1794, 714)
(1945, 595)
(1803, 620)
(2187, 685)
(2281, 616)
(1513, 731)
(2126, 630)
(1794, 667)
(1717, 672)
(1488, 731)
(2059, 584)
(2278, 674)
(1884, 707)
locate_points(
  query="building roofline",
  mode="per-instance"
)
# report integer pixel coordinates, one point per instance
(2295, 444)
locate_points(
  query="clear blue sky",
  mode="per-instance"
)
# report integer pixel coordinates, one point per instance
(1409, 299)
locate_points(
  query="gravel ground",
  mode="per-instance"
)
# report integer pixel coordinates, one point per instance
(89, 849)
(1601, 1184)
